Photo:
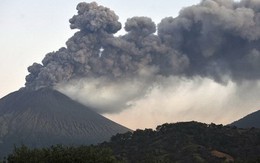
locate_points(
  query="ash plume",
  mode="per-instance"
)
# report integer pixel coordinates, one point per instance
(215, 39)
(81, 56)
(94, 51)
(221, 39)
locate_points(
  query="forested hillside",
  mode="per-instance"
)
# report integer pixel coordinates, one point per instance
(179, 142)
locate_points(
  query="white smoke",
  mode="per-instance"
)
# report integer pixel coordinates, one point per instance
(109, 96)
(183, 99)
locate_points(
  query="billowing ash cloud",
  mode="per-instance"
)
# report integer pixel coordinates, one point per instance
(216, 39)
(95, 52)
(221, 38)
(94, 18)
(82, 55)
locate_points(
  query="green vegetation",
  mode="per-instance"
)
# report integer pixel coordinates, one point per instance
(62, 154)
(179, 142)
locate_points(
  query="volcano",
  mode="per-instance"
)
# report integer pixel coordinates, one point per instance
(47, 117)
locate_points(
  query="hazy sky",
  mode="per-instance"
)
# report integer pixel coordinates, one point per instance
(32, 28)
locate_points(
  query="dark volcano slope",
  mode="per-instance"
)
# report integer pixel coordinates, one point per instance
(47, 117)
(251, 120)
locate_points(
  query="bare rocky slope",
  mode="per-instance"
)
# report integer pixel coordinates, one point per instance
(47, 117)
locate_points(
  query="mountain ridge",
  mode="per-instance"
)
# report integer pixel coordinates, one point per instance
(248, 121)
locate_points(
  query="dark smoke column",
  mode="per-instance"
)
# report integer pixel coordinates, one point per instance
(221, 39)
(81, 56)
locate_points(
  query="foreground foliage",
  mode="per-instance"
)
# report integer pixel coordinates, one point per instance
(179, 142)
(62, 154)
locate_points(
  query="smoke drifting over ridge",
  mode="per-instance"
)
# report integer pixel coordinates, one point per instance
(216, 39)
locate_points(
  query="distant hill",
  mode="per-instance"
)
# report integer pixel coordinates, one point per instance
(251, 120)
(47, 117)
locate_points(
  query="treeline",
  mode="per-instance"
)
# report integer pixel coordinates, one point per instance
(179, 142)
(61, 154)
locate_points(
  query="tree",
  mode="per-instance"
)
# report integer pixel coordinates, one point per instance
(63, 154)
